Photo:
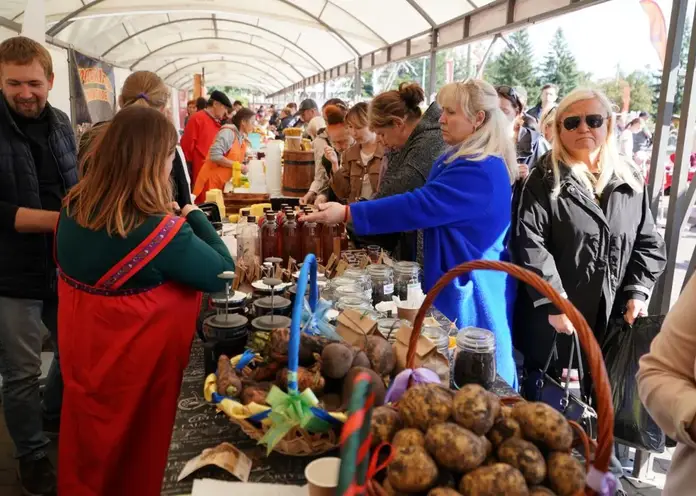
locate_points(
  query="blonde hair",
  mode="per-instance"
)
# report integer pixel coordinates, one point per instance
(125, 181)
(610, 163)
(358, 116)
(397, 106)
(144, 88)
(493, 136)
(548, 118)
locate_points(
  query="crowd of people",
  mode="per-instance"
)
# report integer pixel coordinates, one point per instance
(109, 242)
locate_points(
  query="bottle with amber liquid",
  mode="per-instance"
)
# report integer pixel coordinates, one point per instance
(262, 219)
(292, 239)
(311, 240)
(330, 241)
(271, 237)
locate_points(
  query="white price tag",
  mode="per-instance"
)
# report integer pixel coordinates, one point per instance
(389, 289)
(413, 285)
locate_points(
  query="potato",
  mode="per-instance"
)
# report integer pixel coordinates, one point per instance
(504, 428)
(408, 437)
(390, 490)
(455, 447)
(566, 474)
(542, 424)
(487, 445)
(381, 355)
(494, 480)
(336, 359)
(443, 491)
(425, 405)
(360, 358)
(378, 387)
(475, 408)
(386, 421)
(525, 457)
(412, 470)
(541, 491)
(505, 411)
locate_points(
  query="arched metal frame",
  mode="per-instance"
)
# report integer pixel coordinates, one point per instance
(252, 86)
(200, 62)
(303, 53)
(212, 38)
(254, 81)
(422, 13)
(214, 61)
(65, 21)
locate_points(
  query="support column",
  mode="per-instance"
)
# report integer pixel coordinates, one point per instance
(325, 98)
(358, 82)
(668, 89)
(679, 202)
(197, 86)
(432, 84)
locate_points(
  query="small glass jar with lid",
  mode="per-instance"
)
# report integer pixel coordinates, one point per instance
(439, 337)
(388, 327)
(474, 361)
(352, 290)
(407, 275)
(353, 303)
(360, 276)
(382, 277)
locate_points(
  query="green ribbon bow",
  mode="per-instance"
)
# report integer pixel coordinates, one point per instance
(289, 410)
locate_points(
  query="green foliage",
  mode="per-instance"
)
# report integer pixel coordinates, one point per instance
(515, 66)
(560, 67)
(657, 76)
(641, 85)
(234, 93)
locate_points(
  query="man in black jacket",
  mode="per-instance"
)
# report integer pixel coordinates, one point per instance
(37, 166)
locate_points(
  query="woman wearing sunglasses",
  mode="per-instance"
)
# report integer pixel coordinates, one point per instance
(583, 224)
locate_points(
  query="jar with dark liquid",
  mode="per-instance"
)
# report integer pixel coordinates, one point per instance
(474, 361)
(271, 238)
(292, 239)
(311, 240)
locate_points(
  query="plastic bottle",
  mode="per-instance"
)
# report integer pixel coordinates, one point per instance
(311, 240)
(262, 219)
(248, 242)
(292, 239)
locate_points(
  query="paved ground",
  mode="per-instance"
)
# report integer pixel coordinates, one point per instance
(8, 479)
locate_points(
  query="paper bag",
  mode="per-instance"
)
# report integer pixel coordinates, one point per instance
(225, 456)
(427, 355)
(354, 327)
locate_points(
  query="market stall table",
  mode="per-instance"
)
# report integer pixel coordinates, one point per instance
(198, 426)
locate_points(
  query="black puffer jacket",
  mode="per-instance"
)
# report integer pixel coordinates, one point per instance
(26, 270)
(598, 254)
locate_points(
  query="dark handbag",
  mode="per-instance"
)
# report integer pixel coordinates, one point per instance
(540, 386)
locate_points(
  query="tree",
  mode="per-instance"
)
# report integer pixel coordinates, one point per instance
(515, 66)
(560, 67)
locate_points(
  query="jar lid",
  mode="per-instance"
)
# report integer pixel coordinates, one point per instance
(270, 322)
(353, 302)
(406, 267)
(475, 339)
(379, 270)
(437, 335)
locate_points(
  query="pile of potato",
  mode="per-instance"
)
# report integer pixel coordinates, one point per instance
(450, 443)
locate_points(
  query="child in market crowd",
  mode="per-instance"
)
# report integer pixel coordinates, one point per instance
(129, 296)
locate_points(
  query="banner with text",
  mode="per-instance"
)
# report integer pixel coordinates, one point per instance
(93, 84)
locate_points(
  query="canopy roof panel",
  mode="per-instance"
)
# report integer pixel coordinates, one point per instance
(286, 39)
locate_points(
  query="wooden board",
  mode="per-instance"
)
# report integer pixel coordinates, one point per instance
(236, 201)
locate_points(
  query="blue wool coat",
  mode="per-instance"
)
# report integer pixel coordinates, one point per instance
(464, 209)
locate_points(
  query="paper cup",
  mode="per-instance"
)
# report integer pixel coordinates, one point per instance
(407, 313)
(322, 476)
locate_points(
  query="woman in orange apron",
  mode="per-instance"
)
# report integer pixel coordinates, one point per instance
(230, 146)
(129, 294)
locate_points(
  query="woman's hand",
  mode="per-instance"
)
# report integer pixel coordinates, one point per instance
(331, 155)
(188, 209)
(524, 170)
(635, 309)
(329, 213)
(321, 199)
(245, 168)
(308, 198)
(562, 324)
(175, 207)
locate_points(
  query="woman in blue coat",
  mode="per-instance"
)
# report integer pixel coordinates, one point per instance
(464, 211)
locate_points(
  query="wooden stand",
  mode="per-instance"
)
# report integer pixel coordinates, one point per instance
(236, 201)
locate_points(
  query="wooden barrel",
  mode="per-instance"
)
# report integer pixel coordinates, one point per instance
(298, 172)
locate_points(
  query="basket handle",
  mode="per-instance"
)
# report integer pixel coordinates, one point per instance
(307, 273)
(605, 408)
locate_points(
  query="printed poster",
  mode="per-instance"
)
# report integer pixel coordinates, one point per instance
(93, 89)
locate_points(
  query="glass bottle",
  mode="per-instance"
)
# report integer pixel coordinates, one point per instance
(248, 245)
(244, 213)
(311, 240)
(292, 240)
(271, 237)
(330, 241)
(407, 275)
(262, 219)
(382, 282)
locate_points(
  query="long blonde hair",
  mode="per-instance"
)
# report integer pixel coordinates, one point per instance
(125, 181)
(492, 137)
(144, 88)
(610, 163)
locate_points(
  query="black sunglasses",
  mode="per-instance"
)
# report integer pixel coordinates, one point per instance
(510, 93)
(593, 121)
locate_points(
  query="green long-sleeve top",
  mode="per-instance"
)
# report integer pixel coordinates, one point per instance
(194, 257)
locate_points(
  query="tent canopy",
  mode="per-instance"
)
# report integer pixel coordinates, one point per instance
(261, 44)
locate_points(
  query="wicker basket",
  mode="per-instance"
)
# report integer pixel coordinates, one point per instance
(605, 410)
(251, 419)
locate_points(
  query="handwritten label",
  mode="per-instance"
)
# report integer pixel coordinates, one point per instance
(389, 289)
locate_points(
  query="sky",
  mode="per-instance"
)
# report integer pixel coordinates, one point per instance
(603, 36)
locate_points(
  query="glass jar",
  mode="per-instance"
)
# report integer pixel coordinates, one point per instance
(389, 327)
(352, 290)
(248, 242)
(271, 238)
(439, 337)
(360, 276)
(382, 277)
(353, 303)
(474, 361)
(407, 275)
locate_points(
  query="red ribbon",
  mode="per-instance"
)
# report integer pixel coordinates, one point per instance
(374, 468)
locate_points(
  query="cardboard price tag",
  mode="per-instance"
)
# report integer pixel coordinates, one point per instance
(341, 267)
(225, 456)
(331, 262)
